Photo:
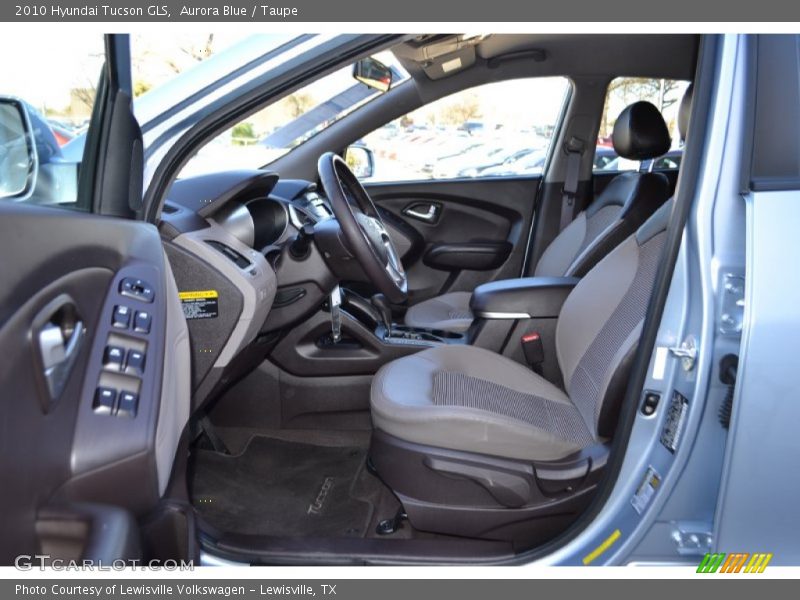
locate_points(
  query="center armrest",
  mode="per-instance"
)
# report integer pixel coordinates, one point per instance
(529, 297)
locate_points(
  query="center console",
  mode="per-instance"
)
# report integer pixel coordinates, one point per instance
(525, 298)
(376, 314)
(368, 337)
(517, 318)
(393, 333)
(402, 334)
(358, 339)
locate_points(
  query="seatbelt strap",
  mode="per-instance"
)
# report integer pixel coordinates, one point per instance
(574, 149)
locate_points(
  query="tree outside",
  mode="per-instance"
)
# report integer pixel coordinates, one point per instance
(663, 93)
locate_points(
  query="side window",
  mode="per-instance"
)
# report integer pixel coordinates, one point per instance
(494, 130)
(55, 93)
(666, 95)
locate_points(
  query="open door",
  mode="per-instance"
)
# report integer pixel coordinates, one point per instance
(87, 308)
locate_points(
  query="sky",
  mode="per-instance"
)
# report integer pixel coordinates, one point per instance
(44, 74)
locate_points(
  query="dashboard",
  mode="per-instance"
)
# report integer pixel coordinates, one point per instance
(227, 236)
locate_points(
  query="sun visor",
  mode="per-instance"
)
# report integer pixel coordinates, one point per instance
(449, 63)
(441, 55)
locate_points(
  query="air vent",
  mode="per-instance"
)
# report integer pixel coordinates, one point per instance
(232, 255)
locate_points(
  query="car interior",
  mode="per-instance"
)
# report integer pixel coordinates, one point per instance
(351, 371)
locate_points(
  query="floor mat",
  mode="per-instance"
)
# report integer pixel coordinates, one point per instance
(282, 488)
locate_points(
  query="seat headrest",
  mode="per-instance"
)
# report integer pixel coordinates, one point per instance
(685, 111)
(640, 132)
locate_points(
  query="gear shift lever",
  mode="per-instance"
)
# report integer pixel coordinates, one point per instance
(381, 304)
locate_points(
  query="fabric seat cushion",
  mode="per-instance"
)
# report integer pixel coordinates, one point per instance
(448, 312)
(600, 325)
(471, 399)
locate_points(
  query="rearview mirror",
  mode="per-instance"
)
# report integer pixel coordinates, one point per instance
(373, 73)
(19, 162)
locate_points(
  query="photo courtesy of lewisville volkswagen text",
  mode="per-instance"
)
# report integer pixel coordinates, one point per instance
(161, 589)
(277, 297)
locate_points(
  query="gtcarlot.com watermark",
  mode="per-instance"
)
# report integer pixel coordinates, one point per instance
(30, 562)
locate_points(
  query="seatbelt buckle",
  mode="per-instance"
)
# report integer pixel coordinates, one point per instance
(533, 348)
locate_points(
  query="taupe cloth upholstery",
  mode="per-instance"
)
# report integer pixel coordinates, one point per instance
(448, 312)
(629, 199)
(403, 405)
(471, 399)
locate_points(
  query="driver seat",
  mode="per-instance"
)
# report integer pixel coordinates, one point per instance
(475, 444)
(630, 198)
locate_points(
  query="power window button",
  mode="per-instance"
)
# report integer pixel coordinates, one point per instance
(113, 358)
(104, 399)
(128, 404)
(135, 364)
(142, 321)
(121, 318)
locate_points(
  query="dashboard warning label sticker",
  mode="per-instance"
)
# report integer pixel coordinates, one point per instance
(203, 304)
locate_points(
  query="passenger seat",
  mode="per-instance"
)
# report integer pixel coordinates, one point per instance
(640, 133)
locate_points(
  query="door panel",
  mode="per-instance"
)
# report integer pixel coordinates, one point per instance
(477, 233)
(53, 262)
(87, 435)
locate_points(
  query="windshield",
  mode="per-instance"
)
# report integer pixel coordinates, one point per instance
(169, 71)
(282, 125)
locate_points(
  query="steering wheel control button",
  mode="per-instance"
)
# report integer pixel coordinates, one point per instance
(121, 319)
(104, 399)
(128, 404)
(113, 358)
(142, 321)
(136, 288)
(135, 364)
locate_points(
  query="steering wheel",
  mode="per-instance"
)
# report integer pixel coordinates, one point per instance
(364, 232)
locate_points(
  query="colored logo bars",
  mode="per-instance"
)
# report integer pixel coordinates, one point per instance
(734, 563)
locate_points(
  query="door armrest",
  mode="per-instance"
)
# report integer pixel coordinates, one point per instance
(473, 256)
(87, 531)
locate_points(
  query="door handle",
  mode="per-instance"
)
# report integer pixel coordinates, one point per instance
(55, 349)
(59, 337)
(428, 212)
(59, 354)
